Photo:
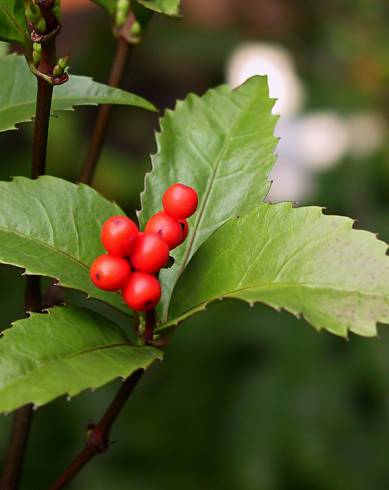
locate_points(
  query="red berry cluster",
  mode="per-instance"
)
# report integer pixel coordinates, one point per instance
(134, 258)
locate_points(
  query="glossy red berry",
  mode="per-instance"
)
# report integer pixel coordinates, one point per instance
(168, 228)
(184, 228)
(118, 235)
(142, 291)
(150, 253)
(180, 201)
(109, 272)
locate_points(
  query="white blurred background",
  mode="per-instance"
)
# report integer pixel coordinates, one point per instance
(312, 142)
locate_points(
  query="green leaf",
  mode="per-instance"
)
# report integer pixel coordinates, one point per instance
(4, 49)
(167, 7)
(51, 228)
(299, 259)
(108, 5)
(13, 27)
(64, 351)
(18, 93)
(221, 144)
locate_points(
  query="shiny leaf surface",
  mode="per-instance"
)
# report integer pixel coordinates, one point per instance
(13, 27)
(298, 259)
(221, 144)
(51, 227)
(18, 93)
(64, 351)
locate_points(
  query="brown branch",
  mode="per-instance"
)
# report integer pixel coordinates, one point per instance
(123, 49)
(98, 435)
(22, 419)
(14, 459)
(43, 101)
(149, 327)
(41, 128)
(21, 423)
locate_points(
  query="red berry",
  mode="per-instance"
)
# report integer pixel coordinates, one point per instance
(118, 235)
(180, 201)
(184, 228)
(109, 272)
(142, 291)
(150, 253)
(168, 228)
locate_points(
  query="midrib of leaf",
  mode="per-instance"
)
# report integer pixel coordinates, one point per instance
(45, 365)
(50, 247)
(201, 211)
(71, 100)
(266, 286)
(14, 22)
(44, 245)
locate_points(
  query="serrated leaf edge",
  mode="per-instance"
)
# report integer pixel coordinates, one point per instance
(74, 106)
(169, 113)
(93, 387)
(172, 324)
(59, 283)
(177, 107)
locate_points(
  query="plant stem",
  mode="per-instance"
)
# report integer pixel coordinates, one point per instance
(43, 101)
(22, 419)
(123, 49)
(41, 128)
(98, 436)
(149, 328)
(14, 459)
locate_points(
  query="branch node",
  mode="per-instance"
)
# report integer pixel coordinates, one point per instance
(130, 31)
(97, 439)
(51, 80)
(37, 37)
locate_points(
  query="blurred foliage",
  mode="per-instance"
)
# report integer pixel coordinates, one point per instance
(247, 399)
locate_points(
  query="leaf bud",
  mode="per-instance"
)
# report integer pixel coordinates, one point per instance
(57, 71)
(123, 7)
(36, 57)
(40, 26)
(32, 13)
(136, 28)
(63, 62)
(37, 47)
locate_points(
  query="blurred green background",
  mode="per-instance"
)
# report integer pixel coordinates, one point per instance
(247, 398)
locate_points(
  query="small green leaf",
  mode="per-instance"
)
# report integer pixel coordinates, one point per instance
(18, 93)
(299, 259)
(64, 351)
(108, 5)
(51, 228)
(167, 7)
(222, 144)
(13, 27)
